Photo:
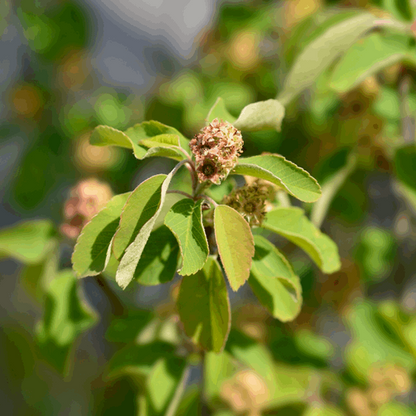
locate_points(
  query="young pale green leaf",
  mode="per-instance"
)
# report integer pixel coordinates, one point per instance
(292, 224)
(185, 221)
(139, 208)
(148, 139)
(28, 242)
(159, 259)
(367, 57)
(278, 170)
(263, 115)
(322, 51)
(93, 248)
(204, 308)
(109, 136)
(150, 205)
(162, 140)
(156, 132)
(162, 382)
(66, 316)
(220, 112)
(273, 281)
(235, 244)
(165, 151)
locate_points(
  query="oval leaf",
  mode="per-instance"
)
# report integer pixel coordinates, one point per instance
(263, 115)
(185, 221)
(321, 52)
(292, 224)
(273, 281)
(139, 208)
(235, 244)
(92, 250)
(131, 258)
(28, 242)
(159, 259)
(367, 57)
(278, 170)
(204, 308)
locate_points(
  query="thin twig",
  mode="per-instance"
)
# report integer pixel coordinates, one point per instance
(192, 172)
(209, 199)
(174, 404)
(407, 121)
(174, 191)
(116, 304)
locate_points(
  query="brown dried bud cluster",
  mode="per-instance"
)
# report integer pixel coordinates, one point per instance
(85, 200)
(216, 151)
(250, 201)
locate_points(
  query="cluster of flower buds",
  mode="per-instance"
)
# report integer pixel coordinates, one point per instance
(250, 201)
(85, 200)
(216, 151)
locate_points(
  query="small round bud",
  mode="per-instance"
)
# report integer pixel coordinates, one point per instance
(85, 200)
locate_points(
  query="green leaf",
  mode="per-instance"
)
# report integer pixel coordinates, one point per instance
(220, 112)
(138, 210)
(159, 138)
(405, 165)
(292, 224)
(235, 244)
(278, 170)
(37, 277)
(204, 307)
(168, 151)
(159, 259)
(218, 367)
(273, 281)
(28, 241)
(162, 382)
(321, 52)
(185, 221)
(251, 353)
(149, 205)
(126, 328)
(367, 57)
(156, 132)
(109, 136)
(66, 316)
(372, 342)
(93, 248)
(137, 360)
(329, 190)
(263, 115)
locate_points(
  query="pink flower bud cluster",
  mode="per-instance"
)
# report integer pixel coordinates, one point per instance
(216, 151)
(85, 200)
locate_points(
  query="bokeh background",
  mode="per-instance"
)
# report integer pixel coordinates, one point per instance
(67, 66)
